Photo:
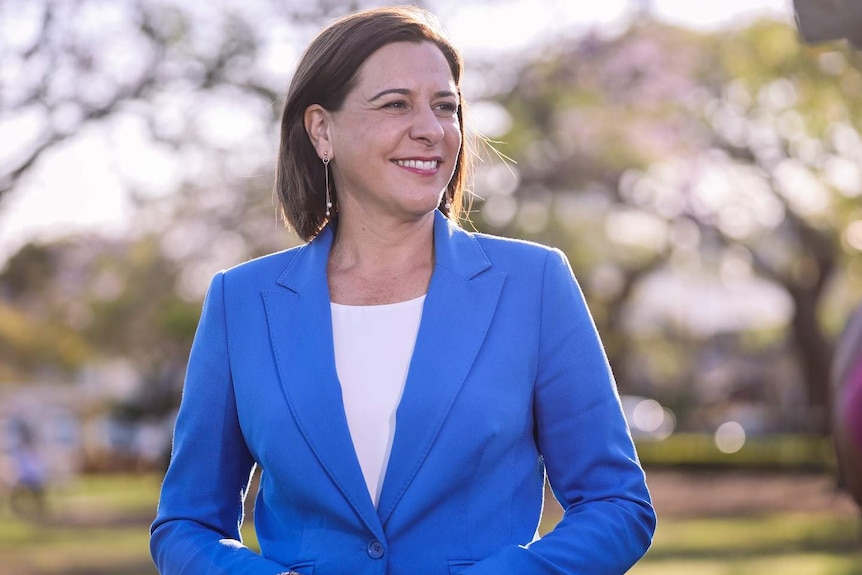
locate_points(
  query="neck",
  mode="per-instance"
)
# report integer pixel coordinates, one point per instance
(383, 249)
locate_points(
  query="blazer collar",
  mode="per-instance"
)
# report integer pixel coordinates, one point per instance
(454, 249)
(458, 309)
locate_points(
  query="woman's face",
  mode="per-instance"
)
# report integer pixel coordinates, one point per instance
(396, 139)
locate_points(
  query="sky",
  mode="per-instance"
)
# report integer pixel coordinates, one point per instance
(46, 208)
(521, 23)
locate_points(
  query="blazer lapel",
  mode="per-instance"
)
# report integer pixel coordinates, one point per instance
(300, 324)
(459, 306)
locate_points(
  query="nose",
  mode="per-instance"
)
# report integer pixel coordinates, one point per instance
(426, 126)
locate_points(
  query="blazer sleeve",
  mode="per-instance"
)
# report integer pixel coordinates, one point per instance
(582, 435)
(196, 529)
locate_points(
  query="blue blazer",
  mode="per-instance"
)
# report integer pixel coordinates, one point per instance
(508, 382)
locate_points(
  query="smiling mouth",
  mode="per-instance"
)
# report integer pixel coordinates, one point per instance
(419, 164)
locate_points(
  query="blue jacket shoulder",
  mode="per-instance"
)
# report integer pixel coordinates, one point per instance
(267, 267)
(516, 252)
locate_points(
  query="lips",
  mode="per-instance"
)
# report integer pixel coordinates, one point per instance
(424, 165)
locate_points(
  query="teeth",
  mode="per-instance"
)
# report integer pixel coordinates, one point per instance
(417, 164)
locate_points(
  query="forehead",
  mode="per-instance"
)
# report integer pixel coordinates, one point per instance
(406, 62)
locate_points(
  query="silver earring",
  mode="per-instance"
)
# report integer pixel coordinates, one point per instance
(326, 178)
(448, 203)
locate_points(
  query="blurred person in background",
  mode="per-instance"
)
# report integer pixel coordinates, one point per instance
(404, 385)
(29, 474)
(847, 414)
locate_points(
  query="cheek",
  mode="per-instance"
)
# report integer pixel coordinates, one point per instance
(453, 134)
(386, 134)
(360, 126)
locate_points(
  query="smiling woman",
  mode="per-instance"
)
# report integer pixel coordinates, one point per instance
(394, 142)
(378, 80)
(405, 386)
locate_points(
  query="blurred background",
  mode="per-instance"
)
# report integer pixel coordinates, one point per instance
(700, 164)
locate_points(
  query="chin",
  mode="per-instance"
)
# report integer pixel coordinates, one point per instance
(422, 205)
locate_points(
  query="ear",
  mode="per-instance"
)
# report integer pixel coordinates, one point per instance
(317, 123)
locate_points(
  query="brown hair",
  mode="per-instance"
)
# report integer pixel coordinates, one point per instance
(325, 75)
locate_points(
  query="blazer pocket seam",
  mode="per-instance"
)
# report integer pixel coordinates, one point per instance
(455, 565)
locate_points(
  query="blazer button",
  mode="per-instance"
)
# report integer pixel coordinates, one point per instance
(375, 549)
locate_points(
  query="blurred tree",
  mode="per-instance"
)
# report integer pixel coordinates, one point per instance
(583, 120)
(664, 151)
(68, 303)
(135, 308)
(786, 132)
(35, 334)
(31, 346)
(161, 67)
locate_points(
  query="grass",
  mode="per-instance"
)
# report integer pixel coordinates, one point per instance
(781, 543)
(98, 526)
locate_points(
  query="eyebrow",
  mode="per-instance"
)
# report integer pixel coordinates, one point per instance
(406, 92)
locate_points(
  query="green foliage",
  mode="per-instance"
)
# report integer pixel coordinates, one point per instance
(145, 318)
(71, 302)
(29, 270)
(784, 452)
(30, 345)
(178, 320)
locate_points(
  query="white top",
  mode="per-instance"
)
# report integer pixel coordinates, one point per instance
(373, 348)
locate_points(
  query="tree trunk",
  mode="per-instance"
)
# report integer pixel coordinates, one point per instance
(814, 355)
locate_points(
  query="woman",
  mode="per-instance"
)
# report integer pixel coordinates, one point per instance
(847, 405)
(404, 385)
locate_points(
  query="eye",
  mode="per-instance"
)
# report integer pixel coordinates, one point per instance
(396, 105)
(447, 108)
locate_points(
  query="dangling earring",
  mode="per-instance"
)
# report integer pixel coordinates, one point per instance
(448, 202)
(326, 178)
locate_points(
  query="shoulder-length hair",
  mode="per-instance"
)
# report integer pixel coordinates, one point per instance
(326, 74)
